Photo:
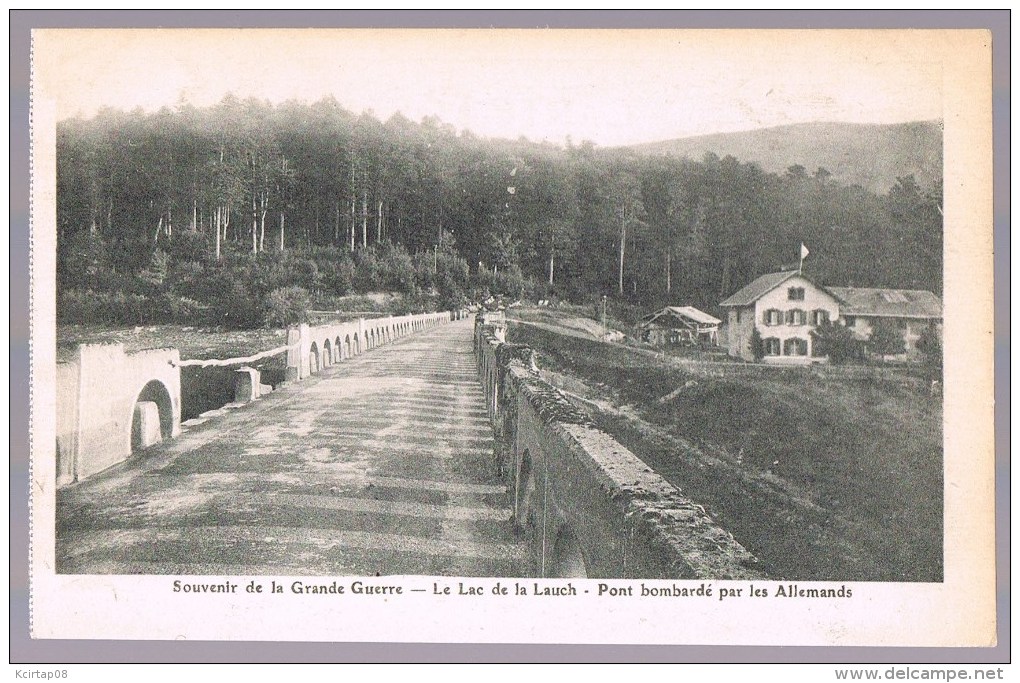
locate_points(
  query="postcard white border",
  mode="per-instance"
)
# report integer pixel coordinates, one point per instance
(958, 612)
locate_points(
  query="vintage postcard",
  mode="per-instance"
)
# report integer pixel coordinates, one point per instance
(513, 336)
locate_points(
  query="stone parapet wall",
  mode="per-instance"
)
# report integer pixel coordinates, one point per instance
(587, 505)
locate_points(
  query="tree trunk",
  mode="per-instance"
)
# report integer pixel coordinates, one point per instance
(226, 220)
(623, 245)
(724, 286)
(336, 222)
(194, 214)
(669, 270)
(364, 218)
(282, 218)
(552, 263)
(262, 230)
(219, 211)
(378, 224)
(254, 226)
(352, 230)
(94, 211)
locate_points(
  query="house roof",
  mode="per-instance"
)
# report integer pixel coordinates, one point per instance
(765, 284)
(891, 303)
(689, 312)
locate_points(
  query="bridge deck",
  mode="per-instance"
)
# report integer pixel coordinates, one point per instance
(380, 464)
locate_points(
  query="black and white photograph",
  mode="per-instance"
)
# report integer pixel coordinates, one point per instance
(475, 331)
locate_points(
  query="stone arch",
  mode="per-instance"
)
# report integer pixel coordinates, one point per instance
(313, 359)
(357, 344)
(158, 393)
(327, 354)
(524, 489)
(347, 346)
(567, 560)
(338, 350)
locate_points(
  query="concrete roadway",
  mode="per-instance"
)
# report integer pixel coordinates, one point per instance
(381, 464)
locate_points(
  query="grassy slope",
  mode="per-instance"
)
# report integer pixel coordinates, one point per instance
(821, 479)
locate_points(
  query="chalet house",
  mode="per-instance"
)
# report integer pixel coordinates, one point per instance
(785, 307)
(680, 326)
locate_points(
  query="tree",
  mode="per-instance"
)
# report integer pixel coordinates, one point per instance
(886, 339)
(757, 345)
(837, 342)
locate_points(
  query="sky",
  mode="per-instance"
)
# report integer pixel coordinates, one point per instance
(612, 87)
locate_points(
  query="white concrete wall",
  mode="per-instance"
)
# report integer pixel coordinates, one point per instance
(96, 398)
(67, 421)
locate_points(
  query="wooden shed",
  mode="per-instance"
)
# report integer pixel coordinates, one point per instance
(680, 326)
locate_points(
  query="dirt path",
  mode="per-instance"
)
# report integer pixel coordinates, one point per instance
(381, 464)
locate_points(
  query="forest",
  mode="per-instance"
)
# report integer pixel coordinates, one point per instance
(247, 214)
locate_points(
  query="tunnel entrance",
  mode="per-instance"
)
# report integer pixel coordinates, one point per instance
(152, 416)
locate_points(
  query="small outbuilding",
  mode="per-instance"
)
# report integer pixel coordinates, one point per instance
(680, 326)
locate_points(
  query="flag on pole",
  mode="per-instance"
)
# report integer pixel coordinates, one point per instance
(803, 251)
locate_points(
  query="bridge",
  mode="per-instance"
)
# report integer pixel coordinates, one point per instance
(440, 452)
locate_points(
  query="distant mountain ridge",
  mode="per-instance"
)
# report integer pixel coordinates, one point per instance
(870, 155)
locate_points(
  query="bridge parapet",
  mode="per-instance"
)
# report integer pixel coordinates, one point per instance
(313, 348)
(111, 403)
(587, 505)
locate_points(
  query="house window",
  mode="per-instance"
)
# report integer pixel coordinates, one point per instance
(819, 316)
(795, 293)
(902, 322)
(795, 317)
(849, 320)
(771, 346)
(738, 315)
(773, 317)
(795, 347)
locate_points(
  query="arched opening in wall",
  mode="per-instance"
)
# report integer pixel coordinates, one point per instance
(152, 416)
(567, 560)
(347, 345)
(371, 339)
(338, 350)
(357, 343)
(524, 487)
(313, 359)
(327, 354)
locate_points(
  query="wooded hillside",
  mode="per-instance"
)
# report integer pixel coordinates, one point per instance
(255, 199)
